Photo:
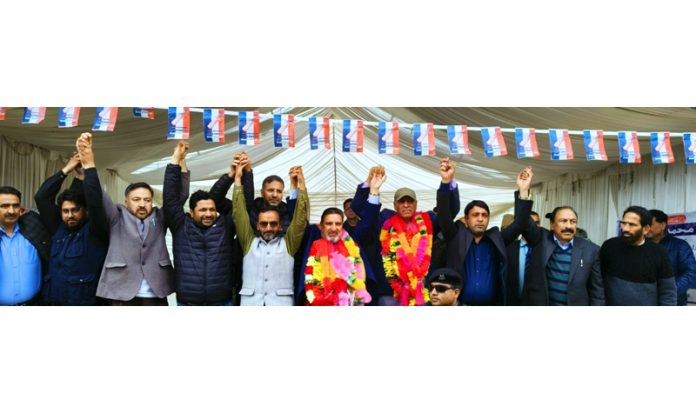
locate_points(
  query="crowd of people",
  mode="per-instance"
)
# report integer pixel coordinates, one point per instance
(82, 248)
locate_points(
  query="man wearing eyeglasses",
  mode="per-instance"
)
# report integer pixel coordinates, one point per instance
(267, 277)
(79, 230)
(444, 286)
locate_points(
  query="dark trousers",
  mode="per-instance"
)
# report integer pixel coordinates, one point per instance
(141, 301)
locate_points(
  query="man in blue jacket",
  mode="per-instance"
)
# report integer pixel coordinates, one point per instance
(680, 254)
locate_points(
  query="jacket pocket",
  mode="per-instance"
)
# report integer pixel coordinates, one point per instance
(247, 292)
(165, 263)
(115, 265)
(81, 289)
(284, 292)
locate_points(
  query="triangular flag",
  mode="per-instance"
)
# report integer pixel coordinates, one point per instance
(458, 138)
(249, 128)
(629, 149)
(661, 148)
(525, 140)
(493, 142)
(146, 113)
(690, 148)
(352, 135)
(388, 138)
(105, 119)
(179, 122)
(34, 115)
(423, 139)
(214, 125)
(68, 117)
(284, 131)
(594, 145)
(319, 133)
(561, 147)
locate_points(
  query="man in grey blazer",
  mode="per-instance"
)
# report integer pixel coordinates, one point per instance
(564, 269)
(137, 269)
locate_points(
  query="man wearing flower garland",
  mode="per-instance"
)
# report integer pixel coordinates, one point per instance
(476, 252)
(335, 270)
(406, 239)
(267, 277)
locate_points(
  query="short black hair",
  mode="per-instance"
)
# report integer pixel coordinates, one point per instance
(644, 214)
(476, 203)
(535, 213)
(552, 215)
(331, 211)
(349, 200)
(272, 178)
(136, 185)
(11, 190)
(199, 195)
(269, 208)
(659, 216)
(72, 195)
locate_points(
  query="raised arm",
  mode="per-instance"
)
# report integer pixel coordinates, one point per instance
(293, 236)
(171, 191)
(98, 222)
(46, 195)
(445, 215)
(359, 203)
(240, 216)
(220, 188)
(523, 207)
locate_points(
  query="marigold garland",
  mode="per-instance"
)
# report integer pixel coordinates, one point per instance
(335, 273)
(406, 257)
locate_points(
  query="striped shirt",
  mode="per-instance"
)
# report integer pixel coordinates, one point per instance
(557, 274)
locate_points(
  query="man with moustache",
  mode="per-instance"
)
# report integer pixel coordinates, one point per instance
(267, 277)
(636, 272)
(80, 232)
(564, 269)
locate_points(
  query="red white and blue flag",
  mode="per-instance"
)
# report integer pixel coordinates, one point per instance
(179, 123)
(493, 142)
(690, 148)
(249, 128)
(3, 111)
(661, 148)
(33, 115)
(284, 131)
(68, 117)
(594, 145)
(629, 149)
(458, 138)
(146, 113)
(423, 139)
(105, 119)
(525, 140)
(561, 147)
(319, 133)
(352, 135)
(214, 125)
(388, 138)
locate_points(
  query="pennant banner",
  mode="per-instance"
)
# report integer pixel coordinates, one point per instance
(33, 115)
(146, 113)
(525, 139)
(423, 139)
(690, 148)
(388, 138)
(179, 123)
(68, 117)
(352, 135)
(629, 149)
(319, 130)
(493, 142)
(284, 131)
(214, 125)
(661, 148)
(105, 119)
(3, 111)
(458, 138)
(594, 145)
(561, 147)
(249, 132)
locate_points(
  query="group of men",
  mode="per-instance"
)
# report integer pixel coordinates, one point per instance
(84, 249)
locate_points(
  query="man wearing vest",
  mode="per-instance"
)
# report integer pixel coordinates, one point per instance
(80, 232)
(267, 277)
(203, 241)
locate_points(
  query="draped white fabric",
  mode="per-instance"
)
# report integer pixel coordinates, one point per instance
(138, 150)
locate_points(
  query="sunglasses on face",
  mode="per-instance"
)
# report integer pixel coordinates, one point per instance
(272, 224)
(440, 288)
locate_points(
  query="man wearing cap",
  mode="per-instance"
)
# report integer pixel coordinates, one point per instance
(444, 285)
(473, 250)
(406, 239)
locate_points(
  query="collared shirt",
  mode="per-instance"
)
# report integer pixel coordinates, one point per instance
(560, 244)
(480, 268)
(20, 268)
(524, 249)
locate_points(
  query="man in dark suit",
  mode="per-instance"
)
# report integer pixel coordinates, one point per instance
(565, 269)
(519, 259)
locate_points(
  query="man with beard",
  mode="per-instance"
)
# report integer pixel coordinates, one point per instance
(80, 231)
(476, 252)
(563, 269)
(636, 272)
(267, 277)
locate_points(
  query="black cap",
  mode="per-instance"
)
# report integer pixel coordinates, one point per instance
(445, 275)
